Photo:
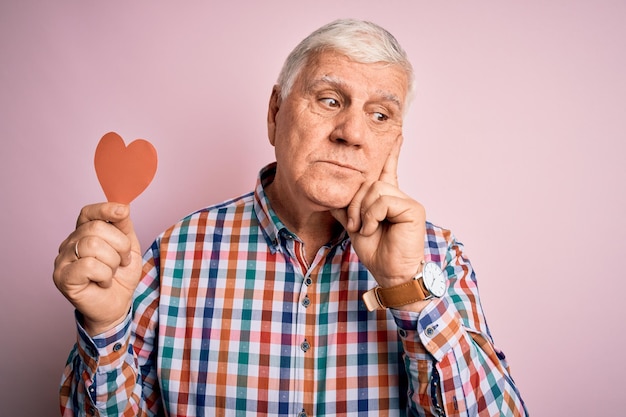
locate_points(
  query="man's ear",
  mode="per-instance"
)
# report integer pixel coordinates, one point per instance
(272, 111)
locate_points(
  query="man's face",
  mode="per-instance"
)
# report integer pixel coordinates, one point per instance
(335, 129)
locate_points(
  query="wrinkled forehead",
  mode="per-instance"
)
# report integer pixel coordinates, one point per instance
(387, 80)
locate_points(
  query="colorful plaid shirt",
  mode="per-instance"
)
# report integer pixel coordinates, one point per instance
(229, 320)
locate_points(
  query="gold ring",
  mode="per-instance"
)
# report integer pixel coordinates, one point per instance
(76, 250)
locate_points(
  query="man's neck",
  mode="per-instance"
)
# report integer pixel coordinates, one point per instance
(314, 228)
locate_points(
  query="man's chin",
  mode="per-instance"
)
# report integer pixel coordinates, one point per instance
(330, 193)
(333, 201)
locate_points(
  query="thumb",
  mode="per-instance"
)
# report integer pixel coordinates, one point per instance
(108, 212)
(126, 226)
(341, 215)
(119, 216)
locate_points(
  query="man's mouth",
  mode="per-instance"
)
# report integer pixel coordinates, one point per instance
(341, 165)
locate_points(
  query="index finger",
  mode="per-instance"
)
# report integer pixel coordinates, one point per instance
(389, 174)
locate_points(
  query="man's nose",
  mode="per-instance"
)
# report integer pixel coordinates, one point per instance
(350, 127)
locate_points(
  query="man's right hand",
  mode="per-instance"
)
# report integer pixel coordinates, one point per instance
(99, 265)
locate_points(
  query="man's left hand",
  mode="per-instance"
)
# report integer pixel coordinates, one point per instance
(386, 226)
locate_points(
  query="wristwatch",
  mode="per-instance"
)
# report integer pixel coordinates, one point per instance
(429, 282)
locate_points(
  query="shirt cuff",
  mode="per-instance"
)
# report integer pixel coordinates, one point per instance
(105, 351)
(437, 328)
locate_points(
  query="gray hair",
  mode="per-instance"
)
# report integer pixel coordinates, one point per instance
(359, 40)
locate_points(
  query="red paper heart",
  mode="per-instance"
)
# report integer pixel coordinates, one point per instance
(124, 172)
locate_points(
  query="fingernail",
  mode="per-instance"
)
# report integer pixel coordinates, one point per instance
(350, 225)
(119, 210)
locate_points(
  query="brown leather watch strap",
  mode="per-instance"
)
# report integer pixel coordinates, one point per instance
(403, 294)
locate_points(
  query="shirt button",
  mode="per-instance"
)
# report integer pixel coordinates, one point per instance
(402, 332)
(117, 347)
(302, 414)
(308, 281)
(305, 346)
(430, 331)
(306, 302)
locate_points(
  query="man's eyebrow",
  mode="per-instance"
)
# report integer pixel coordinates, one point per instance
(391, 97)
(326, 79)
(337, 82)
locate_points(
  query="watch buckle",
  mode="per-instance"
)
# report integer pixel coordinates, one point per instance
(371, 299)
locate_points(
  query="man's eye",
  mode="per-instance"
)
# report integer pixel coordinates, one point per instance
(330, 102)
(380, 117)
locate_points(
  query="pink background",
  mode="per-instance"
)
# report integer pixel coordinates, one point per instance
(515, 142)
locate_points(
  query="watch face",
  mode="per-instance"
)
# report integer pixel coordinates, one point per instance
(434, 280)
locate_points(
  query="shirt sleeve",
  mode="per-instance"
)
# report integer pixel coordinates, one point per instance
(114, 373)
(453, 366)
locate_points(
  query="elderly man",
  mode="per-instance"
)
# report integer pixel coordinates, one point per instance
(323, 292)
